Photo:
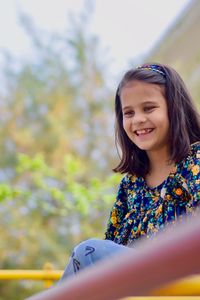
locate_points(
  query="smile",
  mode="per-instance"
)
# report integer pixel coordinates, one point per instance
(143, 131)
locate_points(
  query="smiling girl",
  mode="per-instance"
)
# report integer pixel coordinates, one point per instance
(158, 132)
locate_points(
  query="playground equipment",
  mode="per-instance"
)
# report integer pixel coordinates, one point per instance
(173, 255)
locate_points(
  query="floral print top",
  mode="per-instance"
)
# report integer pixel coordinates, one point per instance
(141, 211)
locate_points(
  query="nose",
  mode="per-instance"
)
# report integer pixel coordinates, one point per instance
(139, 118)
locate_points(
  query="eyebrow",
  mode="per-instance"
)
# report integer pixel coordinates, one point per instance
(143, 103)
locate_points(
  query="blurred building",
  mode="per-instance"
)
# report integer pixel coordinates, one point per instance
(180, 47)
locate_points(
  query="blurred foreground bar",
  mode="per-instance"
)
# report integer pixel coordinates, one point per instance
(174, 254)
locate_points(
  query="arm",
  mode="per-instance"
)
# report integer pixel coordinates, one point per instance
(194, 181)
(118, 212)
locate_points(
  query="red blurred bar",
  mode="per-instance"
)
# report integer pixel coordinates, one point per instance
(173, 255)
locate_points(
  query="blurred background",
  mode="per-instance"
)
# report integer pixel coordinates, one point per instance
(60, 63)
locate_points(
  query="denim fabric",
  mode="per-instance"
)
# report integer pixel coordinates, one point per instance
(88, 253)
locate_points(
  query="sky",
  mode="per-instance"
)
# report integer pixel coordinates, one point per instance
(127, 29)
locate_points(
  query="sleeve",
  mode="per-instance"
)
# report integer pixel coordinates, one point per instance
(118, 212)
(194, 181)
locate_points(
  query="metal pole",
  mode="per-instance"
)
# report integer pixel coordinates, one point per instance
(173, 255)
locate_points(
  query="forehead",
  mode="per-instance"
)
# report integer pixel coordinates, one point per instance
(135, 91)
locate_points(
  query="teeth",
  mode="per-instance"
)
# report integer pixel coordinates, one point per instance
(143, 131)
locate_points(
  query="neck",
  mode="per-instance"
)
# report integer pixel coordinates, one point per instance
(159, 160)
(160, 167)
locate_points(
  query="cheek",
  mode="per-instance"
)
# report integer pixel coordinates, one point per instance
(164, 124)
(125, 125)
(161, 118)
(166, 120)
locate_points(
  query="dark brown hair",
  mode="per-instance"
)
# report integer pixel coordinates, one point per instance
(183, 118)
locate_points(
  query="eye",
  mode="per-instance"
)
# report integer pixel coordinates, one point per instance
(128, 113)
(149, 108)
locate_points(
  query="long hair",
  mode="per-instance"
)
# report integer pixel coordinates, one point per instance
(184, 118)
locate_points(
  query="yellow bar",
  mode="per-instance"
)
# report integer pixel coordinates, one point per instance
(164, 298)
(187, 286)
(30, 274)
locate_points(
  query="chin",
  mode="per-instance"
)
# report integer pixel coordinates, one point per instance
(144, 147)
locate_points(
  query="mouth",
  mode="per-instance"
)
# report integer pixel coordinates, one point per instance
(143, 131)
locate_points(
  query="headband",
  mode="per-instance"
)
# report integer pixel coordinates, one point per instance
(154, 68)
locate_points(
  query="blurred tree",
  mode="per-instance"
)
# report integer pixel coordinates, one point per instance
(59, 102)
(49, 213)
(57, 150)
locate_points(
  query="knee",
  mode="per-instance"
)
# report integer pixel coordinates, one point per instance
(87, 245)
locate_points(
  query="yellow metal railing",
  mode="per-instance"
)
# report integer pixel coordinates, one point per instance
(48, 275)
(187, 286)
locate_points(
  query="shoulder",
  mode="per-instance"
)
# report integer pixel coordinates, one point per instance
(129, 179)
(193, 155)
(191, 165)
(131, 182)
(195, 159)
(195, 150)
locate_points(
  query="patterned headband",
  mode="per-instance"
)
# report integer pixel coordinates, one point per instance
(154, 68)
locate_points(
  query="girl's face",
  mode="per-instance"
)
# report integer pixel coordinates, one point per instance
(145, 115)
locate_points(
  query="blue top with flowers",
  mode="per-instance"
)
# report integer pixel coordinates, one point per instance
(142, 211)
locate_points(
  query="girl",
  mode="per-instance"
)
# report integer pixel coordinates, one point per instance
(158, 131)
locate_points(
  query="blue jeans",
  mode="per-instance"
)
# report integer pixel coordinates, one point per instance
(88, 253)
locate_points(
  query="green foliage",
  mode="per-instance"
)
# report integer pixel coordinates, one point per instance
(25, 163)
(6, 192)
(56, 144)
(68, 189)
(47, 212)
(59, 102)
